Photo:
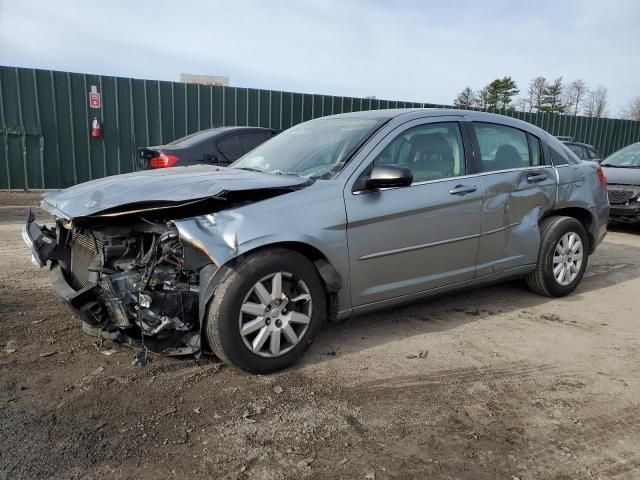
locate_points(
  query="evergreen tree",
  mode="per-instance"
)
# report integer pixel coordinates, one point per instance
(552, 98)
(500, 93)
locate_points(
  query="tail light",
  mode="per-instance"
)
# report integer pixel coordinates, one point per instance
(601, 177)
(163, 160)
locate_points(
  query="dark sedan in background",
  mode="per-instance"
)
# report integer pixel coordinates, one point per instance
(583, 151)
(622, 169)
(215, 146)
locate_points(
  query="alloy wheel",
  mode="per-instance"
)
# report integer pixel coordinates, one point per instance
(567, 258)
(275, 314)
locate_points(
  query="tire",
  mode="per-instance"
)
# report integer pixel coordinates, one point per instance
(553, 231)
(227, 316)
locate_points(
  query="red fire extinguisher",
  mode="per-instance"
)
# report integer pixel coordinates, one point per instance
(96, 128)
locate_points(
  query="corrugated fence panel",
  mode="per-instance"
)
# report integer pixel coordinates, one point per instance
(45, 121)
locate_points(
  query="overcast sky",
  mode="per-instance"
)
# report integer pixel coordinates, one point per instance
(423, 51)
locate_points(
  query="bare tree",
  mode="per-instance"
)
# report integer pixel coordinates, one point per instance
(465, 99)
(632, 111)
(521, 104)
(537, 88)
(482, 98)
(574, 96)
(596, 102)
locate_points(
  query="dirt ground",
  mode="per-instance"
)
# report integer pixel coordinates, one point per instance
(495, 383)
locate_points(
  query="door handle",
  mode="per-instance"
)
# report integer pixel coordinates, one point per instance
(536, 177)
(463, 189)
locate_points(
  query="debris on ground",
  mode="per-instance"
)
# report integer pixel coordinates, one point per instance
(169, 411)
(421, 354)
(11, 347)
(142, 358)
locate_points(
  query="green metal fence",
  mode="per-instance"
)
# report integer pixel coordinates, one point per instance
(45, 121)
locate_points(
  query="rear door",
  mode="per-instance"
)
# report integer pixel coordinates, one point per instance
(407, 240)
(519, 185)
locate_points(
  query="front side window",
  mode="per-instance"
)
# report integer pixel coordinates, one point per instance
(504, 148)
(315, 149)
(432, 151)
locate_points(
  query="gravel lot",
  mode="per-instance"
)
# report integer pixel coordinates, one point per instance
(495, 383)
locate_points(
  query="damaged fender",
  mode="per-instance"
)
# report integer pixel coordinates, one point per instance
(219, 238)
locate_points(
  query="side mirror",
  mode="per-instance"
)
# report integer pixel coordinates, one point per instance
(387, 176)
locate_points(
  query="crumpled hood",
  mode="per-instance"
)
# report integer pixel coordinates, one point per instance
(622, 176)
(155, 188)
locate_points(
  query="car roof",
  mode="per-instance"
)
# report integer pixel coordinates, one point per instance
(209, 134)
(234, 129)
(407, 114)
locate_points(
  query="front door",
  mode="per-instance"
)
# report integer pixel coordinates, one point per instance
(411, 239)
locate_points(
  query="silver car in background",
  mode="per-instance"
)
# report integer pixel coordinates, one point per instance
(336, 216)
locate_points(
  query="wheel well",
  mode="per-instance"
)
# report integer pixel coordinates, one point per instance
(584, 217)
(329, 275)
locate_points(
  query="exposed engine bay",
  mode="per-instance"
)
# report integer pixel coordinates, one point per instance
(132, 279)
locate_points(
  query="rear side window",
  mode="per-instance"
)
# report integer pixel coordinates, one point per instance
(535, 150)
(230, 148)
(578, 150)
(593, 155)
(504, 148)
(561, 154)
(251, 140)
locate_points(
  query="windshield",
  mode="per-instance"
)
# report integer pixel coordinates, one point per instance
(314, 149)
(628, 157)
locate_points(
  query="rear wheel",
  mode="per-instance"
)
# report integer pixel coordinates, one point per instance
(267, 312)
(562, 259)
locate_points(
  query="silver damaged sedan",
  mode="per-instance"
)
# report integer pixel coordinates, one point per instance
(334, 217)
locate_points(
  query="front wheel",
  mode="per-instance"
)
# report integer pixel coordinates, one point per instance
(562, 259)
(267, 312)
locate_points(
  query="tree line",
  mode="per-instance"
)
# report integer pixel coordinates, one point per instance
(543, 95)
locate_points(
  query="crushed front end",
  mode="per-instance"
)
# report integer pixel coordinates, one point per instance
(132, 278)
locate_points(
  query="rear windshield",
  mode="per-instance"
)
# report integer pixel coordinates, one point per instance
(193, 139)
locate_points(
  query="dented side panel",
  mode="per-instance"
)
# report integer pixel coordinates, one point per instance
(512, 207)
(580, 188)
